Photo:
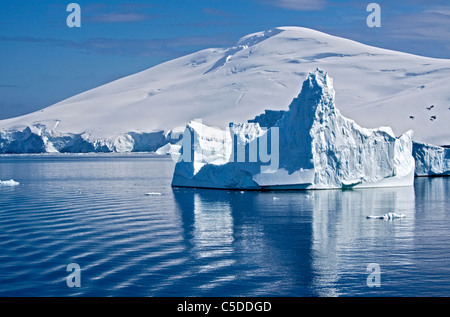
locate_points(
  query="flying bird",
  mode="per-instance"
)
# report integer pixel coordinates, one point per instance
(430, 107)
(433, 118)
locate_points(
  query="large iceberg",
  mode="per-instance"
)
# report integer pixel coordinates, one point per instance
(431, 160)
(312, 146)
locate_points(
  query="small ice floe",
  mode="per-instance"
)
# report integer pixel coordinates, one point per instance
(390, 215)
(275, 198)
(153, 194)
(11, 182)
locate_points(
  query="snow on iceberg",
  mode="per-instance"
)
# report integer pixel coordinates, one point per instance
(11, 182)
(312, 146)
(431, 160)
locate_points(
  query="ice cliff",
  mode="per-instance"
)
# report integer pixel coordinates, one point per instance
(431, 160)
(38, 139)
(312, 146)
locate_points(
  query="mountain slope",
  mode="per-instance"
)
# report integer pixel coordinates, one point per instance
(375, 87)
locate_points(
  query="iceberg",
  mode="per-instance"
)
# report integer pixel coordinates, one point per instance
(169, 149)
(431, 160)
(11, 182)
(388, 216)
(312, 146)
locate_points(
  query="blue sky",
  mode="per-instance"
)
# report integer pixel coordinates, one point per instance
(42, 61)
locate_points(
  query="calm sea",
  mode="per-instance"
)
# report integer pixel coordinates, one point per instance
(92, 210)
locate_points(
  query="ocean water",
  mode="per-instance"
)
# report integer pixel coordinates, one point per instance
(92, 210)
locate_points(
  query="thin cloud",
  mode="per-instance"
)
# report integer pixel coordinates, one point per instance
(299, 5)
(428, 25)
(136, 6)
(217, 13)
(117, 13)
(168, 47)
(440, 10)
(119, 17)
(215, 23)
(30, 39)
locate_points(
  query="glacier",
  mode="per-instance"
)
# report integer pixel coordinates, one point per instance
(37, 139)
(312, 146)
(431, 160)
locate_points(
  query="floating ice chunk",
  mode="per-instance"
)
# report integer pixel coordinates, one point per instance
(11, 182)
(390, 215)
(153, 194)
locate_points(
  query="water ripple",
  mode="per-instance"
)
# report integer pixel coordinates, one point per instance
(93, 211)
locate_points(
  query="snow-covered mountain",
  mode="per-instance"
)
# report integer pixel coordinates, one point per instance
(374, 86)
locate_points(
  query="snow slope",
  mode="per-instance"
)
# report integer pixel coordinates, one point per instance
(312, 146)
(376, 87)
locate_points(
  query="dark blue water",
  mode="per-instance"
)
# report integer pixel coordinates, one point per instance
(92, 210)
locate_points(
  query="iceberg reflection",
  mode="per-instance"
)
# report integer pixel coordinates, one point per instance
(213, 228)
(345, 242)
(314, 243)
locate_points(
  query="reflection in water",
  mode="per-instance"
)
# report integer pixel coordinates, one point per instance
(294, 243)
(92, 210)
(266, 248)
(431, 235)
(341, 233)
(227, 233)
(213, 239)
(213, 228)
